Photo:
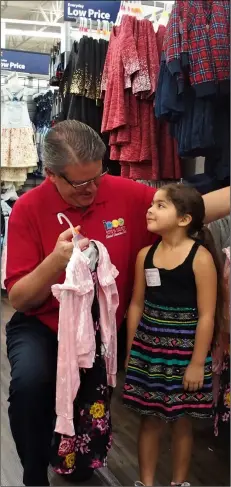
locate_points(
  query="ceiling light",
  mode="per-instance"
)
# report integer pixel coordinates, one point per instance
(33, 33)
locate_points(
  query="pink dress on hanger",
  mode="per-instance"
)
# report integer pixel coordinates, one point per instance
(76, 334)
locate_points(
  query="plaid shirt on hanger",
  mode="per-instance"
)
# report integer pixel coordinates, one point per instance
(172, 42)
(197, 37)
(219, 38)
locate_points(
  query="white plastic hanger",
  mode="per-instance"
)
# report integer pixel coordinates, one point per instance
(13, 77)
(164, 18)
(90, 251)
(62, 217)
(154, 18)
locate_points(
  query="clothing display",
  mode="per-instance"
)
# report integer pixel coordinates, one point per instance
(128, 87)
(158, 95)
(18, 150)
(163, 346)
(80, 88)
(80, 85)
(56, 67)
(169, 160)
(89, 447)
(193, 91)
(83, 380)
(42, 120)
(78, 341)
(220, 231)
(198, 39)
(5, 214)
(155, 184)
(8, 198)
(222, 404)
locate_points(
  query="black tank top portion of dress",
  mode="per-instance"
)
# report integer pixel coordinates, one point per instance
(178, 287)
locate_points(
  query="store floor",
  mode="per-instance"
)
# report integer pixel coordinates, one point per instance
(210, 463)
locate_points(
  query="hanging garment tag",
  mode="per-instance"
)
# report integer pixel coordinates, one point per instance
(152, 277)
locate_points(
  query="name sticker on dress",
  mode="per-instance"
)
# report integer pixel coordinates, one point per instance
(152, 277)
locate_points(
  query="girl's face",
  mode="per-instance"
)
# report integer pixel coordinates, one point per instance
(162, 216)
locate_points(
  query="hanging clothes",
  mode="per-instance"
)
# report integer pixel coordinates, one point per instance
(198, 40)
(169, 160)
(78, 343)
(222, 405)
(18, 150)
(128, 86)
(220, 231)
(5, 214)
(80, 86)
(193, 92)
(42, 121)
(83, 411)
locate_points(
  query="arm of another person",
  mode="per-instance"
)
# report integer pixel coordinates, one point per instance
(206, 284)
(136, 307)
(29, 277)
(217, 204)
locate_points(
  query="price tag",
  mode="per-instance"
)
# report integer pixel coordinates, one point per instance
(152, 277)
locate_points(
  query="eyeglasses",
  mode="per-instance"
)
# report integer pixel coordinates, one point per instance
(83, 185)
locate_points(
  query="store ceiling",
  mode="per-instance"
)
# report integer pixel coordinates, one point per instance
(36, 11)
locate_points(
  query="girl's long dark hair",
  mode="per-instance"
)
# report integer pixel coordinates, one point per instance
(188, 201)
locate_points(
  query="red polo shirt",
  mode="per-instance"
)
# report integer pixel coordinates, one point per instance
(116, 218)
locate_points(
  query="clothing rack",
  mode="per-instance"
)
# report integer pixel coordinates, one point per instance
(26, 79)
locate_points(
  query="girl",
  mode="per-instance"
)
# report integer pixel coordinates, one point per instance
(171, 327)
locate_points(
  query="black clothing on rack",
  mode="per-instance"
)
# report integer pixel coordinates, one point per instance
(80, 89)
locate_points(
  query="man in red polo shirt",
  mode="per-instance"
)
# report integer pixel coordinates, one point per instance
(109, 209)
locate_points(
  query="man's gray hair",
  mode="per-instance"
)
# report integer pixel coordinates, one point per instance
(71, 142)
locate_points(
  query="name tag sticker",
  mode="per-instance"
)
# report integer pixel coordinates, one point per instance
(152, 277)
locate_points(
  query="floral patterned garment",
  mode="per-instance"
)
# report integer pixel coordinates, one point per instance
(92, 418)
(222, 409)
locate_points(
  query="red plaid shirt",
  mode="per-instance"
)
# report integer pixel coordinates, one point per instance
(198, 36)
(219, 38)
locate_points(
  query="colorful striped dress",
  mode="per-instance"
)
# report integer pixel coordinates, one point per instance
(163, 346)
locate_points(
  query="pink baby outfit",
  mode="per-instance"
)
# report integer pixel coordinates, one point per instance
(76, 335)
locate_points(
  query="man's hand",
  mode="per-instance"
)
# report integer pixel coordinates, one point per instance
(64, 248)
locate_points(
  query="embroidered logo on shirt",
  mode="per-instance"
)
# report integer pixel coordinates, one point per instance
(114, 228)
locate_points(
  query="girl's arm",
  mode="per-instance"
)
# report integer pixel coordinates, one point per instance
(137, 303)
(206, 283)
(217, 204)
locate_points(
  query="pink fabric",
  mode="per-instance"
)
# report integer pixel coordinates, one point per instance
(76, 348)
(227, 289)
(4, 254)
(218, 353)
(3, 266)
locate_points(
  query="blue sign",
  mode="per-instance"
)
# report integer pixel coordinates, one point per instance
(25, 61)
(107, 10)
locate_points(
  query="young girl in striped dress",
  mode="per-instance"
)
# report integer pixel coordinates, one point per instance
(171, 328)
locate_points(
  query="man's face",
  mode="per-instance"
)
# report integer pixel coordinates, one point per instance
(79, 196)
